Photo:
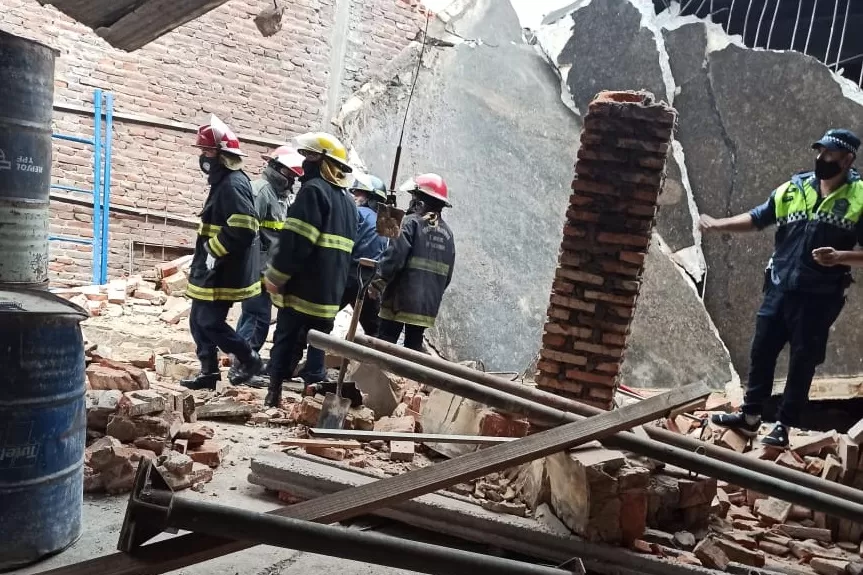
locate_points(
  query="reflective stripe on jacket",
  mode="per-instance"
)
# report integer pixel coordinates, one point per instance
(417, 268)
(271, 218)
(228, 231)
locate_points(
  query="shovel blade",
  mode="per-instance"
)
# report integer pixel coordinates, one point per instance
(389, 223)
(334, 411)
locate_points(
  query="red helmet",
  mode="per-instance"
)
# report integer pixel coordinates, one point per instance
(431, 185)
(218, 136)
(288, 157)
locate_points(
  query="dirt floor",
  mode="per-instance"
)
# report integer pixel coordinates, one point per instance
(103, 517)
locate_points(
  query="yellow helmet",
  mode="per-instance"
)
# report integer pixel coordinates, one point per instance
(326, 144)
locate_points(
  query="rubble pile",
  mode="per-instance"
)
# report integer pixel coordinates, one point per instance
(619, 175)
(133, 295)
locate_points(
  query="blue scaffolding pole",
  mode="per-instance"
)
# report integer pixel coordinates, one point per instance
(101, 191)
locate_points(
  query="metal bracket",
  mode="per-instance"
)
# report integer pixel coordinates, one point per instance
(144, 520)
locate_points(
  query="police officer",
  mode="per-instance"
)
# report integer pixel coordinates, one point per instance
(271, 192)
(417, 267)
(367, 191)
(225, 266)
(816, 214)
(309, 269)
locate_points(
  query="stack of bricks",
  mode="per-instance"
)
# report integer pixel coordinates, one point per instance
(619, 175)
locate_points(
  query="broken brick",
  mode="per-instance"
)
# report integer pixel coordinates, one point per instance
(195, 433)
(406, 424)
(773, 511)
(209, 453)
(333, 453)
(711, 555)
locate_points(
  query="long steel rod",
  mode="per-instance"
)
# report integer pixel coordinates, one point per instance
(796, 22)
(760, 21)
(832, 29)
(772, 24)
(656, 433)
(734, 474)
(375, 548)
(811, 25)
(319, 433)
(842, 38)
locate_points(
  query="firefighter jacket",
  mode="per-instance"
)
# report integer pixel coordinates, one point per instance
(417, 268)
(313, 256)
(805, 221)
(271, 217)
(369, 244)
(228, 231)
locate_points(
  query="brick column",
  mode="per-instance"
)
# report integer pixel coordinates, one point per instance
(619, 174)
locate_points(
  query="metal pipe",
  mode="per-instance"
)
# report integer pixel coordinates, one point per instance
(796, 22)
(656, 433)
(97, 187)
(106, 186)
(832, 28)
(842, 38)
(735, 474)
(772, 24)
(375, 548)
(760, 21)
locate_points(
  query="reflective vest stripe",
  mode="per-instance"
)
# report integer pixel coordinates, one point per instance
(243, 221)
(223, 294)
(208, 230)
(427, 265)
(272, 224)
(303, 306)
(217, 248)
(408, 318)
(300, 227)
(275, 275)
(336, 242)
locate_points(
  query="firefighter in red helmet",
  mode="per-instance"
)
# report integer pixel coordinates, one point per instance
(271, 191)
(225, 267)
(417, 267)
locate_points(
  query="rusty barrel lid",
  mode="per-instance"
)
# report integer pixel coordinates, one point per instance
(37, 303)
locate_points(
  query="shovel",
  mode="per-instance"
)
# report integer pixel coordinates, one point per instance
(335, 407)
(389, 224)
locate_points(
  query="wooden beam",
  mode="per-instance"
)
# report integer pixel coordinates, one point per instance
(152, 19)
(417, 437)
(300, 442)
(179, 552)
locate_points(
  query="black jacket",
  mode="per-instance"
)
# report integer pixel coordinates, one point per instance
(417, 268)
(313, 256)
(228, 231)
(271, 217)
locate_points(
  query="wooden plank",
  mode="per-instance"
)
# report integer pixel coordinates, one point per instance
(417, 437)
(320, 443)
(179, 552)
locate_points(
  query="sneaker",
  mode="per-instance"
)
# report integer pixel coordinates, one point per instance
(201, 381)
(737, 422)
(247, 370)
(778, 436)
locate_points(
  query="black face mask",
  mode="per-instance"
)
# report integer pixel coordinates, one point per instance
(205, 163)
(826, 170)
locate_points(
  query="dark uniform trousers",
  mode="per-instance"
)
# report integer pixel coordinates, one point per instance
(803, 321)
(211, 332)
(292, 329)
(391, 331)
(254, 323)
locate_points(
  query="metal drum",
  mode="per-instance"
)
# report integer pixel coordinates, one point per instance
(27, 94)
(43, 425)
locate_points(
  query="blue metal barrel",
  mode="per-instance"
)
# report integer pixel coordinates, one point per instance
(27, 96)
(43, 425)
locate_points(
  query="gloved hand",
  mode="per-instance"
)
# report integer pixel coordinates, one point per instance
(211, 262)
(376, 288)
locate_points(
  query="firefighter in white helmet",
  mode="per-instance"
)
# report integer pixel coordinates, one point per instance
(309, 269)
(225, 267)
(271, 193)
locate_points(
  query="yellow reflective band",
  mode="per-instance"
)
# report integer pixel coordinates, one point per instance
(300, 227)
(306, 307)
(223, 294)
(243, 221)
(272, 224)
(275, 275)
(336, 242)
(408, 318)
(217, 248)
(208, 230)
(427, 265)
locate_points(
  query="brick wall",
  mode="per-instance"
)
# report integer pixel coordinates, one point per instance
(265, 87)
(619, 174)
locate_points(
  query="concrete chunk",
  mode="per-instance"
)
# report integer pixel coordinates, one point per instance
(402, 450)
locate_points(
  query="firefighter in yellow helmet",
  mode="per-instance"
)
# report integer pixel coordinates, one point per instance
(309, 269)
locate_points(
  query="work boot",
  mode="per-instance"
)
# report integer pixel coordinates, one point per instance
(248, 370)
(234, 371)
(746, 424)
(207, 378)
(274, 393)
(778, 436)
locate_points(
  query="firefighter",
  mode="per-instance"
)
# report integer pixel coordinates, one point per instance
(225, 266)
(271, 193)
(817, 216)
(309, 269)
(367, 191)
(417, 267)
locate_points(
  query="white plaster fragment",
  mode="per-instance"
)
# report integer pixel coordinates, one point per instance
(532, 13)
(649, 22)
(696, 264)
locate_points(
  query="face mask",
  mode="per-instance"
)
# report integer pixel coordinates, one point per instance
(826, 170)
(205, 163)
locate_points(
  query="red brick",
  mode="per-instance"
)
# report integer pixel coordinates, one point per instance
(620, 269)
(591, 187)
(622, 328)
(548, 366)
(580, 200)
(195, 433)
(574, 231)
(636, 258)
(633, 515)
(580, 276)
(598, 349)
(498, 425)
(623, 239)
(607, 367)
(101, 377)
(572, 259)
(569, 386)
(624, 300)
(574, 331)
(332, 453)
(563, 287)
(209, 453)
(625, 312)
(648, 211)
(563, 357)
(586, 377)
(406, 424)
(554, 340)
(614, 339)
(601, 392)
(572, 303)
(581, 216)
(559, 313)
